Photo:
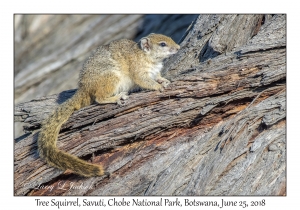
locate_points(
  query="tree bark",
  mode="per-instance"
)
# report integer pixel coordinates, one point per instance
(218, 129)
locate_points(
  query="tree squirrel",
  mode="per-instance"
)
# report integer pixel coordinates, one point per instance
(106, 77)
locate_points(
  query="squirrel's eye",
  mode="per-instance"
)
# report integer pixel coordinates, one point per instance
(163, 44)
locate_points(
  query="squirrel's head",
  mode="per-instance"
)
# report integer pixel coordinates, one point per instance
(158, 46)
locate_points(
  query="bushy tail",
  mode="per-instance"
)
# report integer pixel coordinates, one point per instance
(48, 137)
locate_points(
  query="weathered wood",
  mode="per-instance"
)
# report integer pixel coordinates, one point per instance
(212, 132)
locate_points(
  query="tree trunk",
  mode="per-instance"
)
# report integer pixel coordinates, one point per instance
(218, 129)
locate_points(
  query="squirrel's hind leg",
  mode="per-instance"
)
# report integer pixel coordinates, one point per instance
(119, 99)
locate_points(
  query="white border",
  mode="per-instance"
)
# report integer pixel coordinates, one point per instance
(153, 6)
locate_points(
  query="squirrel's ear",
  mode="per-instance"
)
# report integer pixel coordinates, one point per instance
(145, 44)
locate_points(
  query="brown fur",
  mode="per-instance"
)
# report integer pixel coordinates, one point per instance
(106, 77)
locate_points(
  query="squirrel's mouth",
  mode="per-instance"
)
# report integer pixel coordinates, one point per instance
(173, 51)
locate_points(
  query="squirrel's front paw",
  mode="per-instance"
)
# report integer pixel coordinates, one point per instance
(164, 82)
(161, 89)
